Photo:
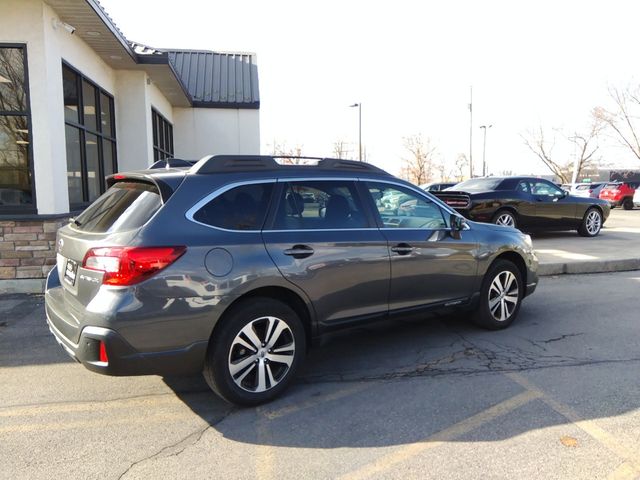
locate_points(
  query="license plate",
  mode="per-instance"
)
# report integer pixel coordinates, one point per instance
(70, 272)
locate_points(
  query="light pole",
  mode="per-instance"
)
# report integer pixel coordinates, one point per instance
(359, 105)
(471, 132)
(484, 149)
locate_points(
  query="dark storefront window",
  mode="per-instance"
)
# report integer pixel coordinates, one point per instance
(16, 178)
(90, 134)
(162, 137)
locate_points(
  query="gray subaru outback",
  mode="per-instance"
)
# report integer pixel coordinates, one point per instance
(235, 265)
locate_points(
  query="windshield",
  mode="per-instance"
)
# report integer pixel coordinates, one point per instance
(478, 185)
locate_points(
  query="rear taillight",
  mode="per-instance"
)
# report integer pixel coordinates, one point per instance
(103, 357)
(130, 265)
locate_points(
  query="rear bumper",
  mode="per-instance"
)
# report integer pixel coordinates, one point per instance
(123, 358)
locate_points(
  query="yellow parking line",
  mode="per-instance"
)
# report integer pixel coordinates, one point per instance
(281, 412)
(265, 457)
(603, 437)
(89, 406)
(100, 422)
(625, 471)
(457, 430)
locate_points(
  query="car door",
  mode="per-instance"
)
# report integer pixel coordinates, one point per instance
(324, 241)
(525, 204)
(428, 265)
(554, 207)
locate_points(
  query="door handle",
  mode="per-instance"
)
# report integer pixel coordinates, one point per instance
(299, 251)
(402, 249)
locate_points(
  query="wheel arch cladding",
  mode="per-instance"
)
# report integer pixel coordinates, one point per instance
(282, 294)
(518, 261)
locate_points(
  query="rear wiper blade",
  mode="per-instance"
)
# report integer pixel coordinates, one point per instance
(75, 222)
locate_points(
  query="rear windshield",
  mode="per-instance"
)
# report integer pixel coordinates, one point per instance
(125, 206)
(585, 187)
(478, 185)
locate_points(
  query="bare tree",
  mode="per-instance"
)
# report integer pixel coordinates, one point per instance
(539, 144)
(289, 155)
(462, 162)
(340, 149)
(586, 146)
(622, 120)
(418, 168)
(441, 167)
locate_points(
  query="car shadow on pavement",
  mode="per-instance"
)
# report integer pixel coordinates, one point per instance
(411, 381)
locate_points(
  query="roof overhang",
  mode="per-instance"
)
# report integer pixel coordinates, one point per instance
(95, 27)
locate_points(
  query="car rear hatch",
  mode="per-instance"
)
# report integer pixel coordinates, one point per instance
(610, 191)
(113, 220)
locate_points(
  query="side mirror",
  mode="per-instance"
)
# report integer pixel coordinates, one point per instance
(457, 225)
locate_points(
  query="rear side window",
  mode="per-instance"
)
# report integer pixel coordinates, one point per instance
(241, 208)
(320, 205)
(125, 206)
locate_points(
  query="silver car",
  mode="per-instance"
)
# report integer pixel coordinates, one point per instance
(589, 190)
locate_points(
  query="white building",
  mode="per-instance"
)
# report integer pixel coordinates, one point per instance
(78, 101)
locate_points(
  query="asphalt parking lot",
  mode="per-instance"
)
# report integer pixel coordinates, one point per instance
(554, 396)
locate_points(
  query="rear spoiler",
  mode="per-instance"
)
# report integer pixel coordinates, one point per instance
(457, 200)
(166, 183)
(173, 163)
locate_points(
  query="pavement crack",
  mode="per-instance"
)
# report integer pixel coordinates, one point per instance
(181, 445)
(561, 337)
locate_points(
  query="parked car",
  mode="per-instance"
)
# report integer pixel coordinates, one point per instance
(527, 203)
(619, 194)
(224, 269)
(589, 190)
(636, 197)
(570, 187)
(437, 187)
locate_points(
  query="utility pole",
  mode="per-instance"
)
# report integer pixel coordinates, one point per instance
(484, 149)
(471, 131)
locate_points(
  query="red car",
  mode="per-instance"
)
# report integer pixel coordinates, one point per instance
(619, 194)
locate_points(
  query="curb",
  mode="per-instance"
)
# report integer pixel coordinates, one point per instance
(594, 266)
(26, 285)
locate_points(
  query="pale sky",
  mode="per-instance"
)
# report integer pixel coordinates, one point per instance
(410, 64)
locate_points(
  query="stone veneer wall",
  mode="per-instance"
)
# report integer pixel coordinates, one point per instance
(28, 248)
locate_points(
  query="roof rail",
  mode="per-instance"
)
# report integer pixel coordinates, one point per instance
(255, 163)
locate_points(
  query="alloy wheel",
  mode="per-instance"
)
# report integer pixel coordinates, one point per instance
(506, 219)
(261, 354)
(593, 223)
(503, 295)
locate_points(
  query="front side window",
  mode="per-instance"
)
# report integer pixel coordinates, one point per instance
(162, 137)
(16, 181)
(321, 205)
(543, 188)
(241, 208)
(401, 208)
(90, 137)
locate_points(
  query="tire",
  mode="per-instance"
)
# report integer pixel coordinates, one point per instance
(505, 217)
(591, 223)
(627, 203)
(494, 280)
(240, 341)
